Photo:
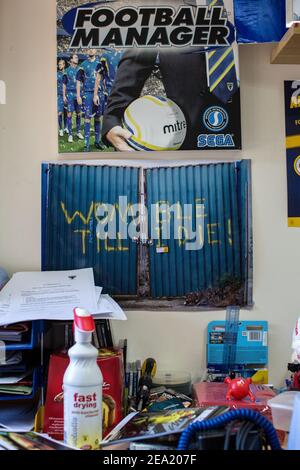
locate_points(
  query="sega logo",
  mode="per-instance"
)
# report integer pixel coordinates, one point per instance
(215, 119)
(215, 140)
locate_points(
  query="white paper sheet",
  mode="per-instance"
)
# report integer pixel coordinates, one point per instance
(49, 295)
(53, 296)
(108, 309)
(117, 428)
(13, 379)
(19, 416)
(4, 306)
(12, 358)
(98, 291)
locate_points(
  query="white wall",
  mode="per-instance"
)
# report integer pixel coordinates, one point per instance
(28, 136)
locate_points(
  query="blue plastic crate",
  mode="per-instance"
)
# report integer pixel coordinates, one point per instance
(31, 342)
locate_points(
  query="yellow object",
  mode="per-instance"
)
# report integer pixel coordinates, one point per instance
(162, 249)
(108, 412)
(39, 419)
(292, 141)
(294, 221)
(149, 367)
(260, 377)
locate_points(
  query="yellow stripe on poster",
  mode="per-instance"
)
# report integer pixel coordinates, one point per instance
(292, 141)
(222, 76)
(154, 100)
(133, 122)
(223, 56)
(150, 146)
(294, 221)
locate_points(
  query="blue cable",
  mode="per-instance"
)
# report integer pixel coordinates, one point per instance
(222, 420)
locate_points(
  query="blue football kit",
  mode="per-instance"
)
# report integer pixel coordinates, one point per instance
(87, 74)
(102, 68)
(60, 100)
(70, 81)
(112, 59)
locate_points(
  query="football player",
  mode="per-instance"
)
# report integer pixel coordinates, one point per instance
(70, 97)
(112, 58)
(101, 94)
(60, 100)
(86, 75)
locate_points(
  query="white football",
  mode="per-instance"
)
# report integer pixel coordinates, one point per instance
(156, 123)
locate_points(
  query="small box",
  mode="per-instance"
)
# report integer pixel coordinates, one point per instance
(214, 394)
(282, 409)
(111, 365)
(251, 344)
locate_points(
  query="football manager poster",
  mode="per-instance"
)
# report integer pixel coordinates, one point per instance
(292, 122)
(147, 75)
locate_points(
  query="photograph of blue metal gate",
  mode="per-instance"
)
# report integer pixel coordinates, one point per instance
(71, 195)
(225, 191)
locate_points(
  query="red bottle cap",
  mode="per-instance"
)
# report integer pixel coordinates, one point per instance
(83, 320)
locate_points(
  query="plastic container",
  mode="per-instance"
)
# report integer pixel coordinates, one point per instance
(82, 386)
(282, 408)
(294, 435)
(177, 380)
(31, 338)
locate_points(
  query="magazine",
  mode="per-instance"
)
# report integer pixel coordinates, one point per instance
(29, 441)
(141, 426)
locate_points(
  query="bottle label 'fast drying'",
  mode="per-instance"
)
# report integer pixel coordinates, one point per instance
(83, 412)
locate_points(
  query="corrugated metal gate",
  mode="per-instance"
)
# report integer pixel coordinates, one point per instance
(223, 189)
(72, 196)
(73, 193)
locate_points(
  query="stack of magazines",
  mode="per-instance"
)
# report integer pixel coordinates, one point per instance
(14, 333)
(16, 370)
(161, 428)
(29, 441)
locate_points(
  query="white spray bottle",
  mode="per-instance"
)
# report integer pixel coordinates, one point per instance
(82, 385)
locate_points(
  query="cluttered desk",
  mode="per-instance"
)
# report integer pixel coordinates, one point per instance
(79, 391)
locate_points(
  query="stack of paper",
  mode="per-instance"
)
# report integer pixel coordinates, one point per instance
(18, 416)
(16, 384)
(15, 332)
(53, 295)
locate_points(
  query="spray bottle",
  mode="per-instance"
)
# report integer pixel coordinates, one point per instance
(82, 385)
